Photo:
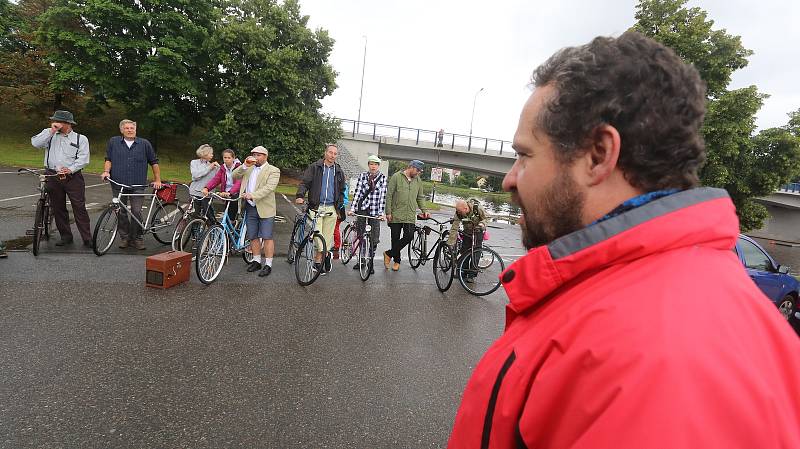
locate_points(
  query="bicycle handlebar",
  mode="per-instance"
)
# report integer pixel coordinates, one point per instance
(125, 186)
(34, 172)
(215, 195)
(367, 216)
(440, 223)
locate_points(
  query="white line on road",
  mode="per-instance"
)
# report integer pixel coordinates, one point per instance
(37, 194)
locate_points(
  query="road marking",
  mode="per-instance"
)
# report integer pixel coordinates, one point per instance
(37, 194)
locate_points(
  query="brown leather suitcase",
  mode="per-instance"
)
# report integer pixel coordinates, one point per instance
(167, 269)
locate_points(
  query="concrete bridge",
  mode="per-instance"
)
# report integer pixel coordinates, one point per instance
(783, 223)
(478, 154)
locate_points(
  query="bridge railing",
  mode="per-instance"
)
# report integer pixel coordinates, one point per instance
(792, 187)
(423, 137)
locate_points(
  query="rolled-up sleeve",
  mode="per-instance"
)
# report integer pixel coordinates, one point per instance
(152, 159)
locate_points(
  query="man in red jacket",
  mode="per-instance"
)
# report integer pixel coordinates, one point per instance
(631, 323)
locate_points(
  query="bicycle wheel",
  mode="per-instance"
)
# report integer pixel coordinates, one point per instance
(365, 256)
(212, 249)
(38, 226)
(191, 235)
(479, 271)
(416, 249)
(179, 227)
(297, 236)
(443, 266)
(165, 220)
(307, 253)
(348, 243)
(105, 231)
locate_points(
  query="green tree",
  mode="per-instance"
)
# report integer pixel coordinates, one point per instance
(737, 160)
(273, 72)
(148, 55)
(25, 76)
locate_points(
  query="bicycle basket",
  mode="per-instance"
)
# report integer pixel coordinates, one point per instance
(168, 193)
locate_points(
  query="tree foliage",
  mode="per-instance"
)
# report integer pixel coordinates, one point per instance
(746, 164)
(273, 72)
(249, 72)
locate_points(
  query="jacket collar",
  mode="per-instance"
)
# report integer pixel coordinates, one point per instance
(697, 217)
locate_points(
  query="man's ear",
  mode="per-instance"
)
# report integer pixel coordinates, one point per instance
(602, 154)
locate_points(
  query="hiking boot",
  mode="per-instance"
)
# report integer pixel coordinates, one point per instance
(138, 244)
(124, 244)
(396, 266)
(387, 260)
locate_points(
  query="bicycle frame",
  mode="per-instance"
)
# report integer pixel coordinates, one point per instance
(117, 202)
(360, 233)
(236, 236)
(425, 230)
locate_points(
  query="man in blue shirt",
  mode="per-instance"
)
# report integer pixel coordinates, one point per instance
(127, 157)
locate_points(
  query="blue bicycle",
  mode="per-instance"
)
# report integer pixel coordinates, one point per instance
(217, 241)
(307, 249)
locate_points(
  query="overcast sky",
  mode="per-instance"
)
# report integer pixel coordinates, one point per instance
(427, 59)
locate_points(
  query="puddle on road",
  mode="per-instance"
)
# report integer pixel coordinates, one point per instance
(19, 243)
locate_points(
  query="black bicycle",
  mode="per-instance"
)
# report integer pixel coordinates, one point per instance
(478, 267)
(418, 253)
(43, 219)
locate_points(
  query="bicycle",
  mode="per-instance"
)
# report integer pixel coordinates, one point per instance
(160, 221)
(213, 246)
(43, 219)
(357, 241)
(192, 226)
(478, 268)
(310, 247)
(418, 253)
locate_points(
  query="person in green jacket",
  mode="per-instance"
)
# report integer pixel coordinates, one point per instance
(403, 197)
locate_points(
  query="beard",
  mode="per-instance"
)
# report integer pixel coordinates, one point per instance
(556, 212)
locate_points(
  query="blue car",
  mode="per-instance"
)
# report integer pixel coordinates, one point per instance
(772, 278)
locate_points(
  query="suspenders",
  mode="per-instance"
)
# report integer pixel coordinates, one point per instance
(77, 146)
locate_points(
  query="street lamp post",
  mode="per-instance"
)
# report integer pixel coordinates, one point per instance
(472, 120)
(361, 95)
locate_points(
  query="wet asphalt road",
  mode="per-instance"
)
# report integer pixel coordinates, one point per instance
(89, 357)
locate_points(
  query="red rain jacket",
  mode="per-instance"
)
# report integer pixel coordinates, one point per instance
(641, 331)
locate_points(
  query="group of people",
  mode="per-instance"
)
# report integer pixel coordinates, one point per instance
(323, 188)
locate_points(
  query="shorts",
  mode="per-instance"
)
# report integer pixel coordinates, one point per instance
(258, 227)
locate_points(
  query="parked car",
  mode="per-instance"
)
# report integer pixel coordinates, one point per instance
(772, 278)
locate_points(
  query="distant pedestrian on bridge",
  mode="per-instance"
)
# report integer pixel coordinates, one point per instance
(66, 153)
(404, 196)
(440, 138)
(631, 322)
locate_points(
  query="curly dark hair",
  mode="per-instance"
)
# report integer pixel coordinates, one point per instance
(654, 99)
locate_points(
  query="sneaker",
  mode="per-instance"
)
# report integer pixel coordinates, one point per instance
(328, 263)
(357, 266)
(387, 259)
(254, 266)
(265, 271)
(318, 268)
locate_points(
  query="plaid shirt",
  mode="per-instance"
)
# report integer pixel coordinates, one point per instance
(375, 202)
